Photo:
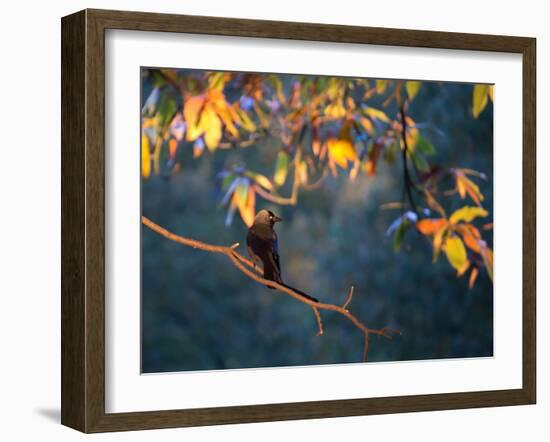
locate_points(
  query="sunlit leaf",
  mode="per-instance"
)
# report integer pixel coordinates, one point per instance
(487, 255)
(247, 209)
(381, 86)
(412, 88)
(470, 236)
(191, 112)
(281, 168)
(466, 186)
(467, 214)
(431, 226)
(480, 95)
(376, 114)
(335, 110)
(245, 121)
(456, 253)
(492, 92)
(211, 125)
(216, 80)
(260, 180)
(341, 151)
(367, 125)
(145, 156)
(473, 277)
(172, 147)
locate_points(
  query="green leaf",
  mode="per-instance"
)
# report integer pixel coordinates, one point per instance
(412, 88)
(281, 168)
(399, 235)
(424, 146)
(480, 95)
(167, 109)
(419, 161)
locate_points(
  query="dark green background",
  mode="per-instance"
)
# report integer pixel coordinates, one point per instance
(200, 313)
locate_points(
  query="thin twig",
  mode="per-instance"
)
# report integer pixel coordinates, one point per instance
(245, 266)
(348, 299)
(319, 321)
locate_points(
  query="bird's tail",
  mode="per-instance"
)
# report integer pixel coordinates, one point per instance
(305, 295)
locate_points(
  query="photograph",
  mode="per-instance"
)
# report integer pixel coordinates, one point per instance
(297, 219)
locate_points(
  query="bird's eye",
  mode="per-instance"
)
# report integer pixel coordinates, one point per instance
(271, 217)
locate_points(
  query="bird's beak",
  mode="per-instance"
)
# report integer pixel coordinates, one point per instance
(276, 219)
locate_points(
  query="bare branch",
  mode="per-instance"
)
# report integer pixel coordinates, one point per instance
(245, 266)
(319, 321)
(348, 299)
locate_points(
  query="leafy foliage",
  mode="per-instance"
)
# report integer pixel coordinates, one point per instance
(322, 126)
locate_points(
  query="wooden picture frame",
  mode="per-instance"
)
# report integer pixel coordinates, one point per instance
(83, 220)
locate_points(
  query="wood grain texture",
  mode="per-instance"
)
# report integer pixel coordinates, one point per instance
(73, 258)
(83, 220)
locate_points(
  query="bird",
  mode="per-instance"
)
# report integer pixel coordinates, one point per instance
(263, 247)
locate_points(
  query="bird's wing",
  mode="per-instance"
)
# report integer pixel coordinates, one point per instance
(275, 253)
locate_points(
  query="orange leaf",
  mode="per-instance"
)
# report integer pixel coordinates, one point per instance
(248, 209)
(172, 147)
(431, 226)
(473, 277)
(211, 125)
(341, 151)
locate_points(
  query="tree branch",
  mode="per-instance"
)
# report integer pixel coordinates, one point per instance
(245, 266)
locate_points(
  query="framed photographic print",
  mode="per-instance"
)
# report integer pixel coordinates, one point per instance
(266, 220)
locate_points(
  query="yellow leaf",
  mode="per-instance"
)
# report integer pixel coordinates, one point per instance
(456, 253)
(492, 92)
(341, 151)
(367, 125)
(376, 114)
(145, 156)
(191, 112)
(281, 168)
(381, 86)
(222, 109)
(211, 125)
(248, 209)
(246, 123)
(263, 181)
(431, 226)
(335, 110)
(467, 214)
(479, 99)
(465, 186)
(412, 88)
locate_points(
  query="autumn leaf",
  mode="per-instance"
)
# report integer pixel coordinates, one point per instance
(381, 86)
(480, 95)
(191, 114)
(456, 253)
(466, 186)
(473, 277)
(431, 226)
(412, 88)
(367, 125)
(376, 114)
(172, 147)
(335, 110)
(247, 209)
(341, 151)
(260, 180)
(467, 214)
(145, 156)
(487, 255)
(281, 168)
(211, 125)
